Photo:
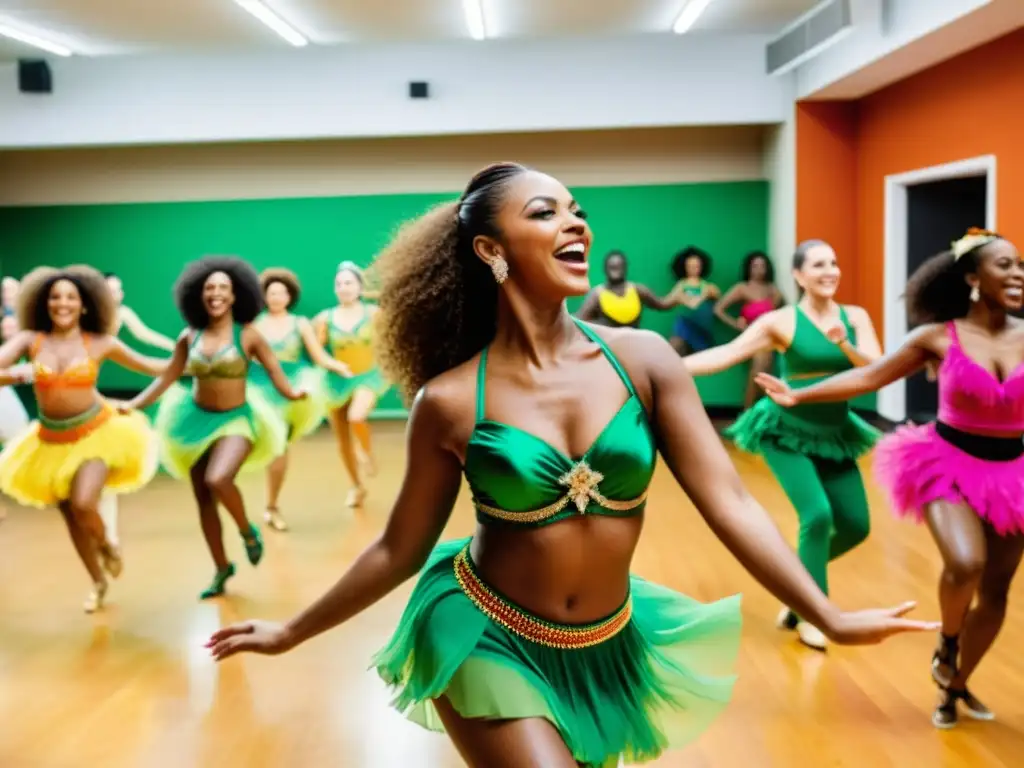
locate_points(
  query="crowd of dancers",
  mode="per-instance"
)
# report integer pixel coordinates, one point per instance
(531, 643)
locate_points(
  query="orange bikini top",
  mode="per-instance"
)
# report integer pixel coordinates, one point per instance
(80, 374)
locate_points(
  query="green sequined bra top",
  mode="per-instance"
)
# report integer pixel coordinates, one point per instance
(517, 478)
(228, 362)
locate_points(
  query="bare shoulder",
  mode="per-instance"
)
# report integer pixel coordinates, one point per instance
(448, 404)
(644, 354)
(857, 314)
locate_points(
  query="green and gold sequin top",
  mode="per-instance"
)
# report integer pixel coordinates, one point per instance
(353, 347)
(228, 362)
(290, 348)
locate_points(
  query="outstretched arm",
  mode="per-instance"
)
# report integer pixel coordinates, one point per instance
(433, 476)
(758, 337)
(172, 372)
(648, 299)
(257, 346)
(11, 352)
(316, 350)
(126, 357)
(590, 309)
(143, 332)
(694, 454)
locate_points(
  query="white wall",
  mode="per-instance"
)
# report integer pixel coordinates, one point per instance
(361, 91)
(373, 166)
(780, 170)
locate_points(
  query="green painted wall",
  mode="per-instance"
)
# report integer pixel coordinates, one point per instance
(147, 244)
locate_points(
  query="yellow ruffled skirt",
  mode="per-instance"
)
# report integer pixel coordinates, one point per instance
(38, 467)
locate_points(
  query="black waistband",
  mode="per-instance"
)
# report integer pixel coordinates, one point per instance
(982, 446)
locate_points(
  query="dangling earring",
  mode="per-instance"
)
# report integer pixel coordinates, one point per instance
(500, 269)
(975, 294)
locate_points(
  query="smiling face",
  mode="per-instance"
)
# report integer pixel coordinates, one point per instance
(759, 269)
(64, 305)
(615, 268)
(277, 297)
(544, 237)
(819, 274)
(218, 295)
(693, 266)
(999, 275)
(347, 287)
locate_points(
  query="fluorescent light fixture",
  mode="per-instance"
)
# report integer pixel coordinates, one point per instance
(689, 15)
(34, 40)
(274, 22)
(474, 12)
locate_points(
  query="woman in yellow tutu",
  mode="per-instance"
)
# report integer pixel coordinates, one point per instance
(80, 446)
(222, 426)
(296, 348)
(347, 330)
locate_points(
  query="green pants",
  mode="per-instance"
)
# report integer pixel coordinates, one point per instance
(830, 503)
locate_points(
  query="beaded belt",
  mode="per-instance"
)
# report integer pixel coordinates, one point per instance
(582, 483)
(75, 428)
(519, 622)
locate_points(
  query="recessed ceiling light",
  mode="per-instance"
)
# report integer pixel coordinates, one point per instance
(689, 15)
(285, 30)
(474, 12)
(35, 41)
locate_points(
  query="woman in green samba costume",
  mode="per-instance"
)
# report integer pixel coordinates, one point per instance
(296, 348)
(516, 394)
(812, 450)
(347, 331)
(222, 426)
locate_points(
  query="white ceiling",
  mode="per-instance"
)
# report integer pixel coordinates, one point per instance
(112, 27)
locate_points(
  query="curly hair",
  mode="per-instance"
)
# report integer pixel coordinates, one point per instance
(99, 312)
(188, 290)
(938, 292)
(438, 301)
(748, 264)
(285, 277)
(679, 262)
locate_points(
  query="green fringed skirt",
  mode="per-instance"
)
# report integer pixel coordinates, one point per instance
(650, 677)
(187, 431)
(340, 388)
(826, 430)
(301, 417)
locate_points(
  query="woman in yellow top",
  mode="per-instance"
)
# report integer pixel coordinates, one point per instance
(618, 303)
(347, 332)
(79, 447)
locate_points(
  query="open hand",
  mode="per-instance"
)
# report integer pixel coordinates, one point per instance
(876, 624)
(264, 637)
(836, 334)
(300, 394)
(776, 389)
(342, 370)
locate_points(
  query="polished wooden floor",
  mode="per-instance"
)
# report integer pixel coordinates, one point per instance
(134, 688)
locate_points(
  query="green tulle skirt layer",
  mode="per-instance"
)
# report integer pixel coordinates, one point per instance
(340, 389)
(301, 417)
(654, 685)
(827, 430)
(187, 431)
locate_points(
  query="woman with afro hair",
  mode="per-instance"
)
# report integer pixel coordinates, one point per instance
(222, 426)
(294, 343)
(348, 332)
(695, 296)
(963, 474)
(531, 643)
(80, 446)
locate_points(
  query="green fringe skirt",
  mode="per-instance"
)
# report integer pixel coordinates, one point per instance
(649, 678)
(187, 431)
(829, 431)
(301, 417)
(340, 389)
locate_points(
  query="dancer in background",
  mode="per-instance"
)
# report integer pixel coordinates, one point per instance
(127, 317)
(811, 450)
(963, 474)
(79, 447)
(758, 295)
(13, 416)
(532, 644)
(617, 303)
(222, 426)
(294, 344)
(348, 331)
(695, 296)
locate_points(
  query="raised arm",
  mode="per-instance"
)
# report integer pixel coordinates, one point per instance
(915, 352)
(120, 353)
(733, 296)
(759, 336)
(433, 476)
(256, 346)
(695, 456)
(316, 350)
(143, 332)
(11, 352)
(172, 372)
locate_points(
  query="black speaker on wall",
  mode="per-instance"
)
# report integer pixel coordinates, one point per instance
(419, 90)
(34, 76)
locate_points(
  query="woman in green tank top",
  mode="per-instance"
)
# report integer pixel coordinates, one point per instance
(812, 449)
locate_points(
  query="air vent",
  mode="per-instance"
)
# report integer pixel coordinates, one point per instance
(811, 34)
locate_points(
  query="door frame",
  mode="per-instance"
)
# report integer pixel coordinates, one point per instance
(892, 400)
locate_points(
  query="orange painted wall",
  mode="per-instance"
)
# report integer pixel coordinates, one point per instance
(968, 106)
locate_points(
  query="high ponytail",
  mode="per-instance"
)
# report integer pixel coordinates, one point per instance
(438, 300)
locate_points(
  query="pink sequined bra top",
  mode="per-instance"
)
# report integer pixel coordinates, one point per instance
(972, 399)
